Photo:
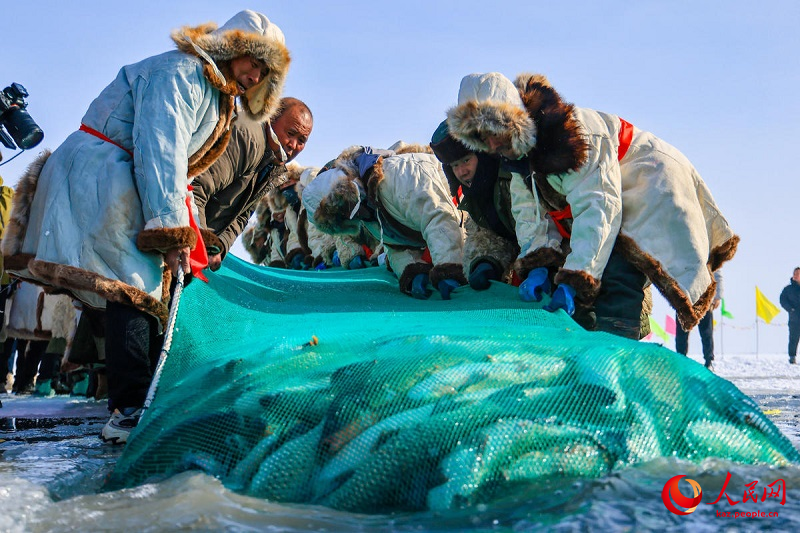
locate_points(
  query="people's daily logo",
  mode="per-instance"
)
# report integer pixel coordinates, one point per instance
(672, 495)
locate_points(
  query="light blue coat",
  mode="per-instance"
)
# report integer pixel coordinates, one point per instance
(93, 198)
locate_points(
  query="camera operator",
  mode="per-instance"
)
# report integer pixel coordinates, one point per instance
(22, 130)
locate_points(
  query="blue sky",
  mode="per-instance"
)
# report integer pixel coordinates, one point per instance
(717, 79)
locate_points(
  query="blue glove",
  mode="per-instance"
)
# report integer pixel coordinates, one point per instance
(446, 286)
(356, 263)
(563, 298)
(297, 262)
(321, 266)
(532, 289)
(480, 276)
(336, 261)
(420, 287)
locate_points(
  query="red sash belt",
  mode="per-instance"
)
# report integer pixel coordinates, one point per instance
(625, 137)
(198, 258)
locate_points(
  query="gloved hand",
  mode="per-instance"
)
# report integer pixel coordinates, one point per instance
(214, 262)
(420, 287)
(563, 298)
(321, 266)
(446, 286)
(297, 262)
(537, 283)
(481, 275)
(336, 261)
(356, 263)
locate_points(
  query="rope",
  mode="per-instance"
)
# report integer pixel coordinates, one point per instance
(162, 358)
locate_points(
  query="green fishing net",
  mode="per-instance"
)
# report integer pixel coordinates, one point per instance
(333, 388)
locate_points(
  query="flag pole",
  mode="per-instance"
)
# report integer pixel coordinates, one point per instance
(721, 335)
(756, 337)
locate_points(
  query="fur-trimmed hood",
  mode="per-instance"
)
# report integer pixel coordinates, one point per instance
(560, 142)
(246, 34)
(276, 201)
(490, 104)
(330, 199)
(306, 176)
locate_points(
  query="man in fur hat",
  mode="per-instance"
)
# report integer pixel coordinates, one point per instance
(253, 164)
(638, 207)
(483, 191)
(108, 217)
(403, 200)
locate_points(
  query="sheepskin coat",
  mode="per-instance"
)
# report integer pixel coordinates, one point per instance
(409, 189)
(95, 217)
(651, 202)
(35, 315)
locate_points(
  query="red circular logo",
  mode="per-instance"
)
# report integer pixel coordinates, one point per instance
(671, 494)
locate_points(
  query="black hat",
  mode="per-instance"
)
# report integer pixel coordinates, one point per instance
(446, 148)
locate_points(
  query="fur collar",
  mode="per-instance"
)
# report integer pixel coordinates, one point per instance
(261, 101)
(560, 145)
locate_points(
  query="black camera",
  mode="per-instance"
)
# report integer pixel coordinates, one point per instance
(22, 129)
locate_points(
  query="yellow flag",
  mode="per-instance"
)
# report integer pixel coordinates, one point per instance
(764, 308)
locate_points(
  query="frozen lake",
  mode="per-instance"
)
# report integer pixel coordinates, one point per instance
(52, 468)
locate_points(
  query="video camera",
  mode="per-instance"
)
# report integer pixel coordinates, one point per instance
(22, 130)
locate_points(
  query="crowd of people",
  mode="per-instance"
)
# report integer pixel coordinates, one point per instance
(188, 150)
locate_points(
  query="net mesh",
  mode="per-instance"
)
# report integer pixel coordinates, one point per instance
(333, 388)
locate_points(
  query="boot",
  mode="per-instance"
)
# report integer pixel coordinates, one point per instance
(80, 383)
(44, 389)
(793, 360)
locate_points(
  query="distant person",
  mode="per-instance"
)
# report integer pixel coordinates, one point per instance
(790, 300)
(253, 164)
(705, 328)
(638, 211)
(108, 216)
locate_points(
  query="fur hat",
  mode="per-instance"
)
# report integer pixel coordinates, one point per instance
(490, 104)
(329, 199)
(306, 177)
(276, 201)
(446, 148)
(246, 34)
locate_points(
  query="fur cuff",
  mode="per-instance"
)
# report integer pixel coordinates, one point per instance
(277, 263)
(448, 271)
(210, 239)
(543, 257)
(291, 253)
(76, 279)
(410, 273)
(17, 262)
(162, 240)
(723, 253)
(586, 287)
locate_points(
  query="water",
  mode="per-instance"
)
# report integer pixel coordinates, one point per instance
(52, 469)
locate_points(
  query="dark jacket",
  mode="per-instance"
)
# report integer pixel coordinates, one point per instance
(790, 300)
(492, 238)
(227, 193)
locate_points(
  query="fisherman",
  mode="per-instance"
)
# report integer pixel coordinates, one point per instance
(637, 209)
(110, 217)
(403, 200)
